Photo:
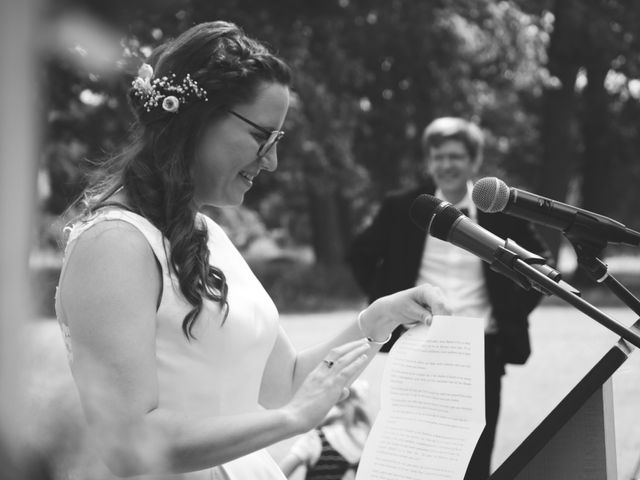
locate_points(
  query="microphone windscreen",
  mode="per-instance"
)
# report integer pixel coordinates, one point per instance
(434, 215)
(490, 194)
(423, 209)
(443, 221)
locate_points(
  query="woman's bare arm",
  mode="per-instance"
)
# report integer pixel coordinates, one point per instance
(109, 295)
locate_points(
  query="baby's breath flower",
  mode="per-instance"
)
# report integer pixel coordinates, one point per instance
(165, 91)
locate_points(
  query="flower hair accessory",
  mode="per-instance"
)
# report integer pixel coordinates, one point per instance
(165, 92)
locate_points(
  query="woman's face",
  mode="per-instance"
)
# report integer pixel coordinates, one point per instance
(226, 162)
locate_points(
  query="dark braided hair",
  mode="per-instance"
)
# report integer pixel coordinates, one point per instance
(155, 171)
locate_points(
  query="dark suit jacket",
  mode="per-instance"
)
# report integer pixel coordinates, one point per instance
(386, 258)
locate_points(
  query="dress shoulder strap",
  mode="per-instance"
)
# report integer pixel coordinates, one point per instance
(154, 237)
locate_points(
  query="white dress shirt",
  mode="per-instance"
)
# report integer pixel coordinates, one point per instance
(457, 272)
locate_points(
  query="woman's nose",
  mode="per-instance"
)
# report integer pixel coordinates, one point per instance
(269, 161)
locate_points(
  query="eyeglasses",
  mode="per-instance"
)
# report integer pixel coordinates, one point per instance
(273, 136)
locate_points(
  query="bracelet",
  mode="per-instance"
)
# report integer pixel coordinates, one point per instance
(368, 338)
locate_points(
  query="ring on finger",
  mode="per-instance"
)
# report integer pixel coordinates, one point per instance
(427, 317)
(328, 363)
(345, 394)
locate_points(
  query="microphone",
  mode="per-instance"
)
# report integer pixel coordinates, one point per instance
(492, 195)
(445, 222)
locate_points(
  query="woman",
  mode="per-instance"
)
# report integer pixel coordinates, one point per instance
(182, 369)
(332, 451)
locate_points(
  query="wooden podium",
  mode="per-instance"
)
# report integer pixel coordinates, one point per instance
(576, 440)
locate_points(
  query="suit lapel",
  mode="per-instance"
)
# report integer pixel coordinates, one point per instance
(416, 239)
(482, 217)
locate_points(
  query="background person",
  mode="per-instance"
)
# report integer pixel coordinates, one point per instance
(333, 449)
(392, 254)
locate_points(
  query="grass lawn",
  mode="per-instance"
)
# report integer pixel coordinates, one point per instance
(565, 345)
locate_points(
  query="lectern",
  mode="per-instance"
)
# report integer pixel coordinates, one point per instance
(576, 440)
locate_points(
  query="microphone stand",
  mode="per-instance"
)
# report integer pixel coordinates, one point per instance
(587, 249)
(509, 260)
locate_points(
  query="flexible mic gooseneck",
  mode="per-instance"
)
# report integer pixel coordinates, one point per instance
(492, 195)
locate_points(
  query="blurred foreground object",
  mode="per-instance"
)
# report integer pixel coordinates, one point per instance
(18, 154)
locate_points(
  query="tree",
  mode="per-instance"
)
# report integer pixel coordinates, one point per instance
(369, 76)
(580, 127)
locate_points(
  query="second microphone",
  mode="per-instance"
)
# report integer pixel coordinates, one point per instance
(445, 222)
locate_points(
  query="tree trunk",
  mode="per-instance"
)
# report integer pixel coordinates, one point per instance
(327, 237)
(558, 109)
(596, 165)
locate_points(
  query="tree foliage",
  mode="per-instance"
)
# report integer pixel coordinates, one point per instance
(369, 75)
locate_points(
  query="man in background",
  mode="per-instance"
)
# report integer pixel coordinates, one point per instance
(393, 254)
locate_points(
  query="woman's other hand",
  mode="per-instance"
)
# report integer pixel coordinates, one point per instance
(328, 383)
(414, 306)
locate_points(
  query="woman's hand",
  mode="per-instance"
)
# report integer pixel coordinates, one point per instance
(327, 384)
(415, 306)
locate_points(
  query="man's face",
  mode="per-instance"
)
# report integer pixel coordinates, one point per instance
(451, 167)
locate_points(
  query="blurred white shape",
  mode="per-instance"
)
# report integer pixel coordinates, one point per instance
(91, 98)
(19, 143)
(547, 20)
(88, 43)
(634, 88)
(43, 184)
(549, 81)
(581, 80)
(79, 50)
(567, 261)
(615, 82)
(410, 130)
(503, 144)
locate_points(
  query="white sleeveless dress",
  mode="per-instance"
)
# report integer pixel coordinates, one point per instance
(220, 371)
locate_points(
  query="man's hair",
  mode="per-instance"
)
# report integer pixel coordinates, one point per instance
(453, 128)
